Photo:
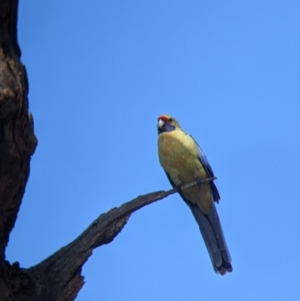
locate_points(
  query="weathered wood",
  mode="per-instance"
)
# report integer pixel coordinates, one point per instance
(17, 141)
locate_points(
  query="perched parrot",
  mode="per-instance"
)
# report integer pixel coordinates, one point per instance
(184, 161)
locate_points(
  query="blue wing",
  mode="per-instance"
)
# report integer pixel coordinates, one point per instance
(209, 171)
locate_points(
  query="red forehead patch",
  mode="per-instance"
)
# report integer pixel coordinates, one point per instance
(163, 118)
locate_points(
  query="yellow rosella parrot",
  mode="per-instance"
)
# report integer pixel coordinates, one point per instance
(184, 162)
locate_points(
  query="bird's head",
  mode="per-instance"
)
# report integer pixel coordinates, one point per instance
(166, 123)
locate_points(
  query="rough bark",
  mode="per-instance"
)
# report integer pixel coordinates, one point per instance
(17, 140)
(57, 278)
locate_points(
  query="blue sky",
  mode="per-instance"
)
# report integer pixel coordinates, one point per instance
(100, 72)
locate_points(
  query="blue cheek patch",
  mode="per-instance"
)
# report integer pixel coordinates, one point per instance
(166, 128)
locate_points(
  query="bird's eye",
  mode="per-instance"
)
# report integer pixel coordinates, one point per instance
(171, 119)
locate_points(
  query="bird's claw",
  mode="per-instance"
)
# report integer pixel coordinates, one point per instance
(198, 182)
(178, 187)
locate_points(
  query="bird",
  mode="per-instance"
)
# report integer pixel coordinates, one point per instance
(183, 161)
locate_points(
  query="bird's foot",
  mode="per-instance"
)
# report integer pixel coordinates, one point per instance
(178, 187)
(198, 182)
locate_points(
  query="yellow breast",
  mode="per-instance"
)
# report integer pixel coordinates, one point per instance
(178, 155)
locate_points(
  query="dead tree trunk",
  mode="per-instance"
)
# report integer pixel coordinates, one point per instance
(58, 277)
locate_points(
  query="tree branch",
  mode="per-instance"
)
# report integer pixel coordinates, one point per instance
(71, 258)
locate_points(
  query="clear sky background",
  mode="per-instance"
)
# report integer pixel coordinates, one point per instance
(100, 72)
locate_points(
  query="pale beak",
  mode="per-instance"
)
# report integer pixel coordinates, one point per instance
(160, 123)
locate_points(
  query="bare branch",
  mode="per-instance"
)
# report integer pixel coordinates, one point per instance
(103, 230)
